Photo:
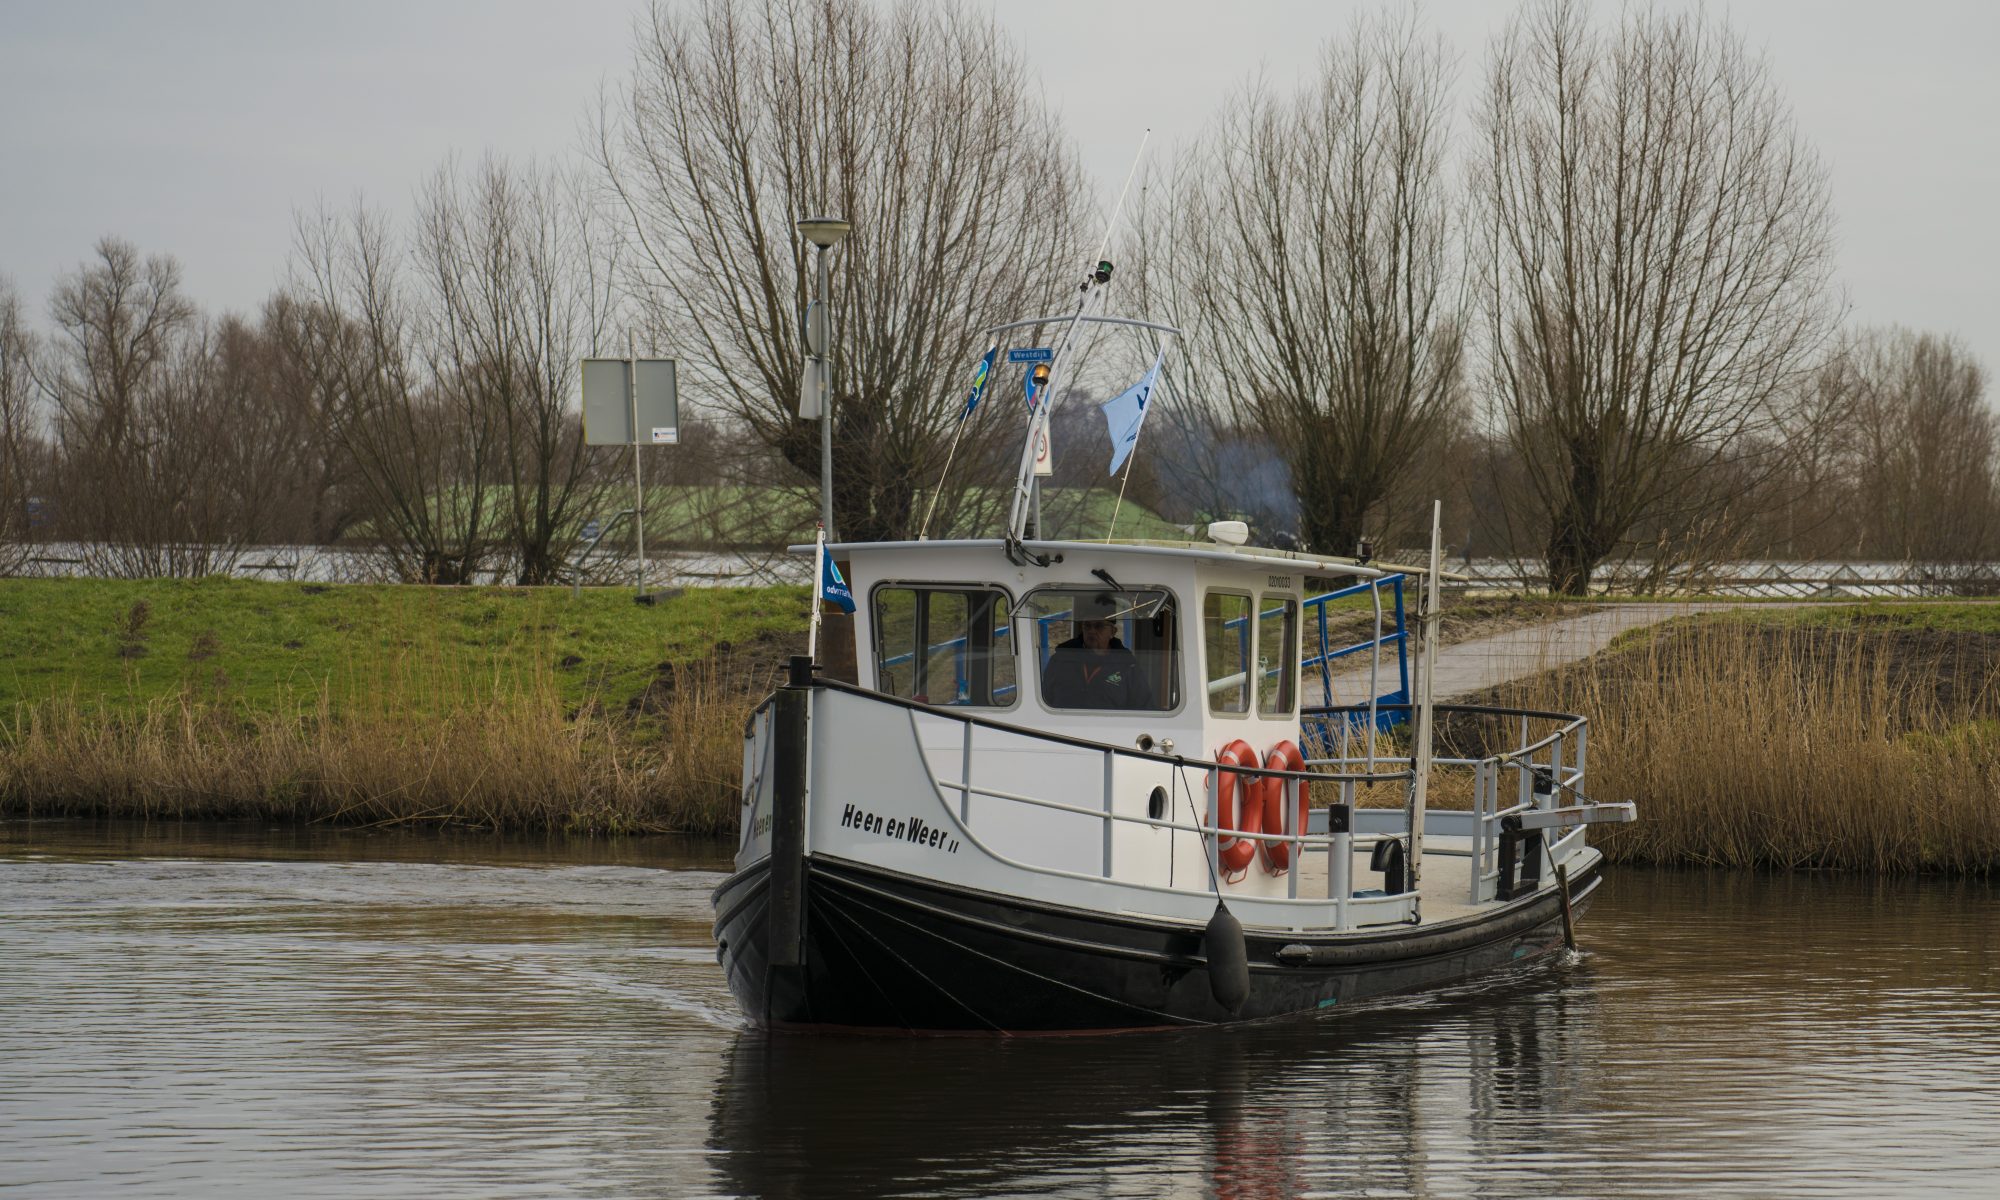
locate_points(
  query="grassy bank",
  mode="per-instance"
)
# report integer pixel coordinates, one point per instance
(1863, 738)
(507, 708)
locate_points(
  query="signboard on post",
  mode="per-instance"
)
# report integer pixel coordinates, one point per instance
(617, 414)
(1031, 354)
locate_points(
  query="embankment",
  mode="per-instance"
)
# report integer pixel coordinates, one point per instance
(496, 707)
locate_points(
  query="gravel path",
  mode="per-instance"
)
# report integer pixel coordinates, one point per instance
(1473, 666)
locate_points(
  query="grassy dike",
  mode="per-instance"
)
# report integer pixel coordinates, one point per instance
(1862, 738)
(508, 708)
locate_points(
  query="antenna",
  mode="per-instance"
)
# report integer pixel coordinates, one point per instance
(1118, 209)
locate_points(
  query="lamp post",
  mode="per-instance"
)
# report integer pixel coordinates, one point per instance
(825, 233)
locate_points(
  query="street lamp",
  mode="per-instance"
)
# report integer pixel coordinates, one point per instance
(825, 233)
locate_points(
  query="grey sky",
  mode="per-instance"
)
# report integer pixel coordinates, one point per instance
(196, 127)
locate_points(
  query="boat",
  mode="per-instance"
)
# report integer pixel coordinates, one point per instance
(1085, 787)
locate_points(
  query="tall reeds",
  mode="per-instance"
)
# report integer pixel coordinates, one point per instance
(413, 740)
(1752, 743)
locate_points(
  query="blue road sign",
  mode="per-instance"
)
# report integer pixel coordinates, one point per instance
(1031, 354)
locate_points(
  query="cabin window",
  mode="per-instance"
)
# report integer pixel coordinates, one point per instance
(1226, 633)
(1277, 655)
(1103, 649)
(945, 645)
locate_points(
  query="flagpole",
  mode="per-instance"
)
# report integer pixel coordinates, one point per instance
(923, 531)
(819, 578)
(1149, 383)
(979, 381)
(1121, 494)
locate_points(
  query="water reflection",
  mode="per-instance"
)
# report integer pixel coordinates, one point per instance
(226, 1012)
(1354, 1101)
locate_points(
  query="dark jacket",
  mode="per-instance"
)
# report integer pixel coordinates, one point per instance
(1077, 678)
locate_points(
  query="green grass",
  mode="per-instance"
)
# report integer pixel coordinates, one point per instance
(505, 708)
(259, 644)
(1944, 616)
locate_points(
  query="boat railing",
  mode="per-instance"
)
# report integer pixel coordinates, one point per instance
(1340, 907)
(1497, 834)
(1513, 807)
(1391, 706)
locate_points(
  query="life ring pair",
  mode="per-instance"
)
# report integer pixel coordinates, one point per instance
(1257, 805)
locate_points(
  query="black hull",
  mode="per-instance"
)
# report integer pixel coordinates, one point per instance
(893, 952)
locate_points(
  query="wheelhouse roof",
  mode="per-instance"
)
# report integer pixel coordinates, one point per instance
(1215, 552)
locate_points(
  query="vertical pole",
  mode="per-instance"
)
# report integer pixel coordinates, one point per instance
(965, 777)
(1292, 789)
(1340, 854)
(1213, 835)
(1479, 771)
(1426, 675)
(638, 482)
(1374, 665)
(1110, 761)
(818, 598)
(826, 407)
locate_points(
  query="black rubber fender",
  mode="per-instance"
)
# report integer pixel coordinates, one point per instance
(1228, 959)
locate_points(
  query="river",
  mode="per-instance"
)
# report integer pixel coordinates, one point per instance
(244, 1012)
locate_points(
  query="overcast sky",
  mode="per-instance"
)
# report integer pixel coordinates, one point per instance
(196, 127)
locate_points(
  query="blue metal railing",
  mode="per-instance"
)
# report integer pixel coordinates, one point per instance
(1400, 638)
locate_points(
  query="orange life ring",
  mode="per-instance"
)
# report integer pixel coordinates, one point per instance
(1284, 756)
(1236, 809)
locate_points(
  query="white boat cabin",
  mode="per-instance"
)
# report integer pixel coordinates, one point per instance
(1177, 649)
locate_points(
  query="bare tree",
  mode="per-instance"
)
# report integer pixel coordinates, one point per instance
(1311, 251)
(1656, 244)
(1924, 448)
(19, 440)
(923, 127)
(320, 496)
(162, 471)
(422, 439)
(522, 285)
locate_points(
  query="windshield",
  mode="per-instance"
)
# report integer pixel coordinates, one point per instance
(1105, 649)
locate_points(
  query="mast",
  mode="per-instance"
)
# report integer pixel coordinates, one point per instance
(1027, 493)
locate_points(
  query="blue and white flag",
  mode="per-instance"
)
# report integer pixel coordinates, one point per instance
(831, 585)
(979, 378)
(1123, 414)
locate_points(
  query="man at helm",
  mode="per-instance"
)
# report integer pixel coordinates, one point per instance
(1094, 669)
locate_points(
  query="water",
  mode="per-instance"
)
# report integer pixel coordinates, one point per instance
(250, 1013)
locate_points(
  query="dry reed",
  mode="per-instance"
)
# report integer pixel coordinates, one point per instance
(416, 741)
(1753, 744)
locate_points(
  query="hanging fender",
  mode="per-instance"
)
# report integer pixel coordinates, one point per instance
(1236, 808)
(1272, 792)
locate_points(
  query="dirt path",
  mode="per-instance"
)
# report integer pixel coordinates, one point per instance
(1486, 662)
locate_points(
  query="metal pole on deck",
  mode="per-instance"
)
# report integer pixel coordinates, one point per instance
(1420, 790)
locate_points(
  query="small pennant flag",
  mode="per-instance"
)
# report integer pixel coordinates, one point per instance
(1123, 414)
(979, 378)
(832, 586)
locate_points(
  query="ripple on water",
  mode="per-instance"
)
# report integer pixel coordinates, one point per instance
(236, 1026)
